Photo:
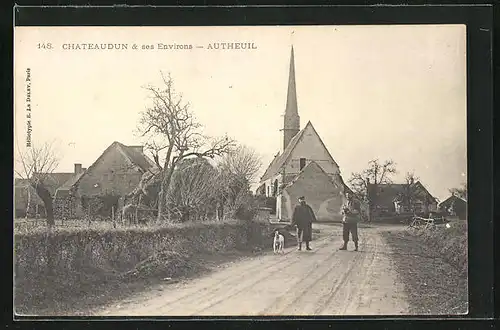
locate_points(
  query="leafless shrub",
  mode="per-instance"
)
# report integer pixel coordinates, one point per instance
(173, 134)
(36, 164)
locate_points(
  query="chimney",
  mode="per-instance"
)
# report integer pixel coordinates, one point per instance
(78, 168)
(139, 149)
(368, 180)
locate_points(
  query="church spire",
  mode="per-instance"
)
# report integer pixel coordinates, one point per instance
(291, 125)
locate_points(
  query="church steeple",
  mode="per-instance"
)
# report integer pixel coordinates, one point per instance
(291, 125)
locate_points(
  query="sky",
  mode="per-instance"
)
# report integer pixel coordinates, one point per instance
(386, 92)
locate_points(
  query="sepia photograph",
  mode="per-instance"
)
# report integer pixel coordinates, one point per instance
(240, 171)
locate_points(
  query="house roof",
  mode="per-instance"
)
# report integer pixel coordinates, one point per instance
(132, 155)
(280, 159)
(55, 180)
(137, 157)
(69, 183)
(450, 199)
(384, 194)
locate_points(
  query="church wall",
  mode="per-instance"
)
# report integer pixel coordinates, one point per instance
(321, 194)
(311, 148)
(269, 184)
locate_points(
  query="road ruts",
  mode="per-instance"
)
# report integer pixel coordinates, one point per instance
(319, 286)
(212, 286)
(324, 281)
(233, 284)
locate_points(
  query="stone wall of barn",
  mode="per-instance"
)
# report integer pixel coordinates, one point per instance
(323, 195)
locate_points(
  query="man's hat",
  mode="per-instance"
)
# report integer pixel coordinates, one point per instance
(301, 198)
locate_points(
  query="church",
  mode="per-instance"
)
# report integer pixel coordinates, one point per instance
(304, 167)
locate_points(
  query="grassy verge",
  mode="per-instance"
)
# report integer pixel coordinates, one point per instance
(433, 267)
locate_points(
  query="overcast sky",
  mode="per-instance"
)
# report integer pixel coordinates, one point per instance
(387, 92)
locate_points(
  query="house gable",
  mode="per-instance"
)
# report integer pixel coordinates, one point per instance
(312, 169)
(117, 171)
(322, 193)
(448, 201)
(306, 144)
(422, 192)
(455, 206)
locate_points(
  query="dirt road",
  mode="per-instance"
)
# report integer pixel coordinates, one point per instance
(324, 281)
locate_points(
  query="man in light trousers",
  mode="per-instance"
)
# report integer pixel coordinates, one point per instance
(351, 215)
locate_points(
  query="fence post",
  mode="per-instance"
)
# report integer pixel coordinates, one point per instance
(28, 203)
(137, 209)
(113, 216)
(89, 213)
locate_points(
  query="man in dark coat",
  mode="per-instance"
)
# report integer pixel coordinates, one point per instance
(351, 215)
(303, 217)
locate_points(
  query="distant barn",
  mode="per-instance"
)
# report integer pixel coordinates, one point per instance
(454, 206)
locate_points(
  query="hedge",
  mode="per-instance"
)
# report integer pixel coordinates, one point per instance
(450, 243)
(48, 262)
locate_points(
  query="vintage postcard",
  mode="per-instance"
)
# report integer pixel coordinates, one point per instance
(240, 171)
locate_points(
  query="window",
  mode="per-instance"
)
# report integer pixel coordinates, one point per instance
(302, 163)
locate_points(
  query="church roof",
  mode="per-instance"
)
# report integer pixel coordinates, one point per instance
(281, 159)
(291, 96)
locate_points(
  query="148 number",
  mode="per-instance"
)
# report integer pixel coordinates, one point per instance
(45, 46)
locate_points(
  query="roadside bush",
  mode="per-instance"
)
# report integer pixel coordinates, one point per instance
(49, 264)
(450, 243)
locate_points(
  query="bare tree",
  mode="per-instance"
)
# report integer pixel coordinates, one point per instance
(409, 192)
(193, 189)
(36, 165)
(375, 173)
(174, 134)
(237, 171)
(241, 162)
(460, 192)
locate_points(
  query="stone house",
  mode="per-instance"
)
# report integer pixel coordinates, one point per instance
(304, 167)
(393, 199)
(454, 206)
(24, 192)
(100, 189)
(66, 205)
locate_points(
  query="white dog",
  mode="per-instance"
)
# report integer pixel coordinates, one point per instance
(279, 242)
